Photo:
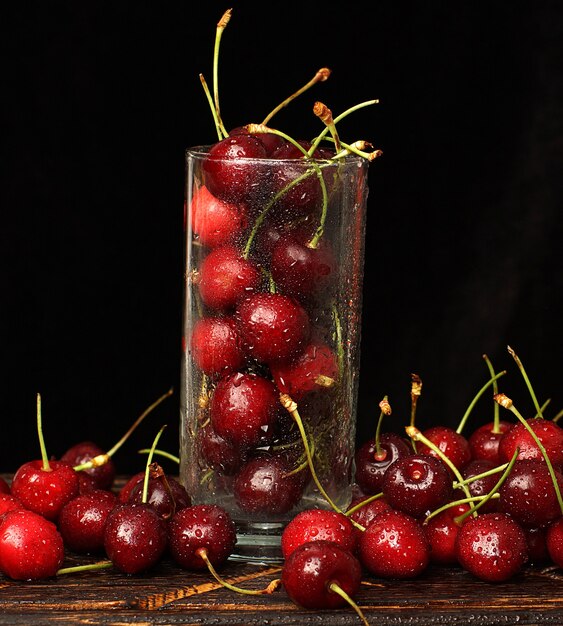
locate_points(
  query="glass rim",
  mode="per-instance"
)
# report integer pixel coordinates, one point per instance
(201, 151)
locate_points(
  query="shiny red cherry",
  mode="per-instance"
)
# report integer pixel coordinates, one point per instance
(452, 444)
(484, 441)
(216, 345)
(244, 408)
(231, 171)
(273, 327)
(214, 221)
(225, 277)
(549, 433)
(314, 369)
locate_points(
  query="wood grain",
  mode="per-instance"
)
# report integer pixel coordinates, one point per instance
(169, 595)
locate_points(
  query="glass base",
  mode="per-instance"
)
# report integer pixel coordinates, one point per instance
(258, 543)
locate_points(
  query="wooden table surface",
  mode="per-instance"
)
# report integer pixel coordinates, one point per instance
(169, 595)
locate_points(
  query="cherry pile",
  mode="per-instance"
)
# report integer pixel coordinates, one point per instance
(489, 503)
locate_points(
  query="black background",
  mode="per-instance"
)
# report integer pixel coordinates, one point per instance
(100, 100)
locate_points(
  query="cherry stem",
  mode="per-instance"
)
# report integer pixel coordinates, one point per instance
(452, 503)
(416, 390)
(491, 472)
(475, 400)
(356, 148)
(416, 435)
(544, 407)
(493, 492)
(262, 216)
(527, 380)
(101, 459)
(212, 107)
(363, 503)
(506, 403)
(325, 115)
(324, 132)
(314, 242)
(44, 457)
(272, 586)
(496, 408)
(385, 410)
(221, 25)
(320, 76)
(558, 416)
(336, 588)
(291, 407)
(338, 340)
(84, 568)
(163, 453)
(145, 495)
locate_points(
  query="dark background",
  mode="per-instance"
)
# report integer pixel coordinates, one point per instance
(100, 100)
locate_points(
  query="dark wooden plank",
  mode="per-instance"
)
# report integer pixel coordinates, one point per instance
(171, 596)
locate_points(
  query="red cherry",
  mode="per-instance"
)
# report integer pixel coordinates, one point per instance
(134, 537)
(367, 513)
(82, 520)
(244, 408)
(492, 547)
(201, 527)
(125, 491)
(9, 503)
(441, 532)
(231, 171)
(484, 485)
(219, 453)
(45, 491)
(264, 485)
(224, 278)
(31, 547)
(370, 468)
(103, 475)
(214, 221)
(554, 541)
(164, 493)
(303, 198)
(318, 525)
(484, 442)
(216, 345)
(549, 433)
(273, 326)
(536, 540)
(270, 141)
(315, 369)
(454, 445)
(4, 487)
(528, 494)
(299, 270)
(417, 484)
(311, 569)
(394, 546)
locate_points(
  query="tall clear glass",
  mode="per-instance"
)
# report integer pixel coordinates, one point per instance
(274, 253)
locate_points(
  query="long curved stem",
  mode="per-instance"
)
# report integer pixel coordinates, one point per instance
(476, 398)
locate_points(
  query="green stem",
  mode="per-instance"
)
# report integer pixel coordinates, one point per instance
(363, 503)
(222, 24)
(163, 453)
(461, 518)
(212, 107)
(491, 472)
(44, 457)
(476, 398)
(147, 468)
(449, 505)
(527, 381)
(496, 408)
(274, 584)
(320, 76)
(84, 568)
(324, 132)
(336, 588)
(416, 435)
